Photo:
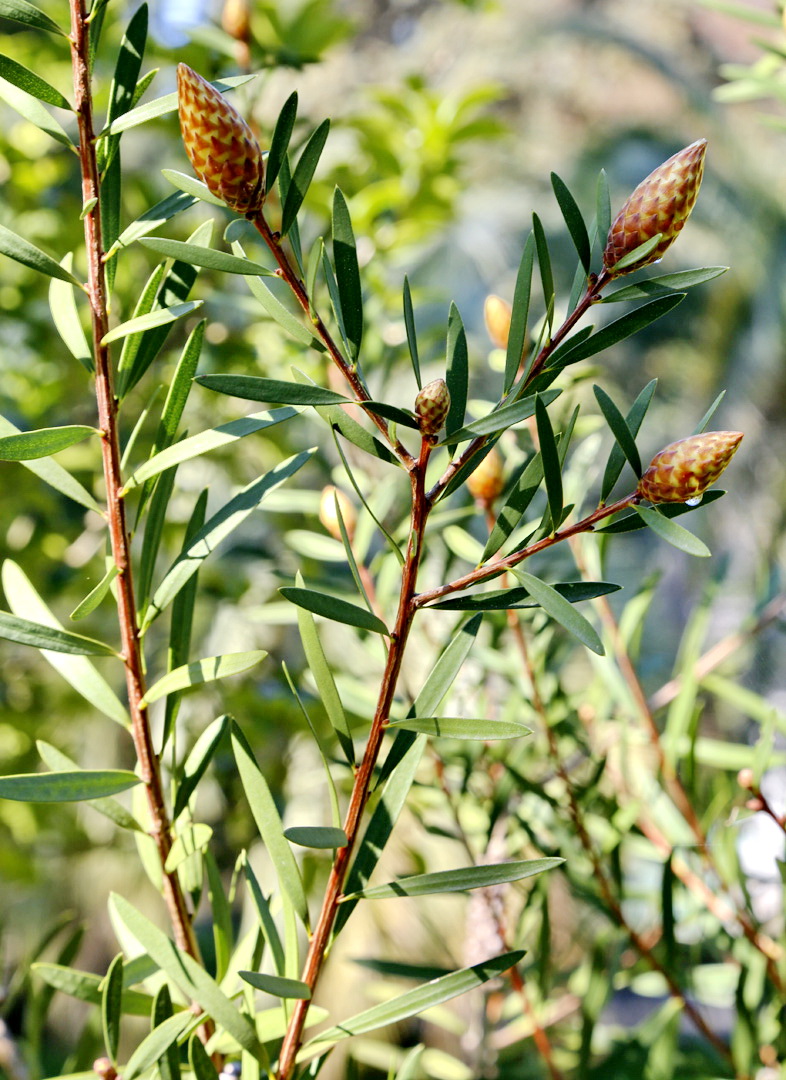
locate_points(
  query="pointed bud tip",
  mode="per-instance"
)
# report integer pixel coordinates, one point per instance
(685, 469)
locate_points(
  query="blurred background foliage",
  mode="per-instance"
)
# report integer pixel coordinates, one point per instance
(447, 119)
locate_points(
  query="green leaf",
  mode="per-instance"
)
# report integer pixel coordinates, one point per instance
(412, 340)
(521, 493)
(276, 985)
(284, 184)
(189, 185)
(22, 12)
(416, 1001)
(254, 388)
(197, 762)
(321, 837)
(621, 328)
(268, 821)
(325, 683)
(153, 319)
(201, 1065)
(573, 220)
(31, 109)
(29, 445)
(128, 66)
(168, 1058)
(293, 324)
(302, 176)
(25, 632)
(190, 840)
(202, 671)
(330, 607)
(456, 373)
(345, 258)
(153, 218)
(665, 285)
(459, 727)
(602, 207)
(186, 973)
(743, 11)
(65, 316)
(31, 83)
(207, 257)
(112, 1006)
(205, 442)
(632, 522)
(502, 418)
(391, 412)
(279, 143)
(267, 925)
(552, 468)
(702, 424)
(154, 1046)
(619, 428)
(561, 610)
(69, 786)
(672, 532)
(179, 389)
(22, 251)
(110, 808)
(220, 525)
(639, 253)
(633, 422)
(544, 265)
(517, 335)
(512, 599)
(221, 911)
(448, 881)
(85, 986)
(167, 104)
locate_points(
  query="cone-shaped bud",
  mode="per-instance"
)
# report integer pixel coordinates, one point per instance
(685, 469)
(220, 145)
(497, 313)
(328, 516)
(487, 481)
(431, 406)
(660, 204)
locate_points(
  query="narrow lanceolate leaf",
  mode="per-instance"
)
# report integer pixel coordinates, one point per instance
(169, 1058)
(216, 529)
(179, 389)
(187, 974)
(157, 1043)
(85, 986)
(503, 418)
(66, 786)
(201, 1065)
(544, 265)
(202, 671)
(162, 106)
(573, 220)
(31, 109)
(621, 329)
(561, 610)
(513, 599)
(191, 839)
(22, 251)
(633, 422)
(128, 66)
(325, 683)
(460, 727)
(197, 762)
(602, 206)
(254, 388)
(517, 335)
(209, 258)
(31, 83)
(619, 428)
(112, 1006)
(330, 607)
(205, 442)
(269, 824)
(673, 533)
(25, 632)
(29, 15)
(153, 319)
(65, 316)
(266, 922)
(412, 341)
(345, 259)
(29, 445)
(293, 324)
(279, 143)
(521, 494)
(321, 837)
(415, 1001)
(702, 424)
(456, 371)
(276, 985)
(189, 185)
(110, 808)
(448, 881)
(221, 912)
(552, 468)
(665, 284)
(302, 176)
(633, 522)
(156, 216)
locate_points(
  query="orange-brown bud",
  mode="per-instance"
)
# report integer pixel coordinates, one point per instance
(497, 314)
(328, 516)
(487, 481)
(236, 19)
(660, 204)
(431, 406)
(685, 469)
(220, 145)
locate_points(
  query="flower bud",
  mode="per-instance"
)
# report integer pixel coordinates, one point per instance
(497, 314)
(236, 19)
(431, 406)
(685, 469)
(220, 145)
(660, 204)
(328, 516)
(487, 481)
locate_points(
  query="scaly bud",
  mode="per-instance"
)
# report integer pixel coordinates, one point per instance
(431, 406)
(329, 517)
(220, 145)
(685, 469)
(660, 204)
(497, 314)
(487, 481)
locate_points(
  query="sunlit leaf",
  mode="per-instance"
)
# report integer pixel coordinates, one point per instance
(330, 607)
(110, 808)
(302, 176)
(197, 762)
(561, 610)
(112, 1006)
(22, 12)
(665, 284)
(468, 877)
(167, 104)
(31, 83)
(32, 110)
(21, 250)
(325, 683)
(255, 388)
(279, 143)
(25, 632)
(202, 671)
(276, 985)
(672, 532)
(209, 258)
(66, 786)
(62, 304)
(460, 727)
(28, 445)
(322, 837)
(189, 840)
(511, 599)
(155, 1045)
(501, 419)
(153, 319)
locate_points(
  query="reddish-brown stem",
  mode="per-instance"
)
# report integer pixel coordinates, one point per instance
(149, 767)
(290, 275)
(320, 938)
